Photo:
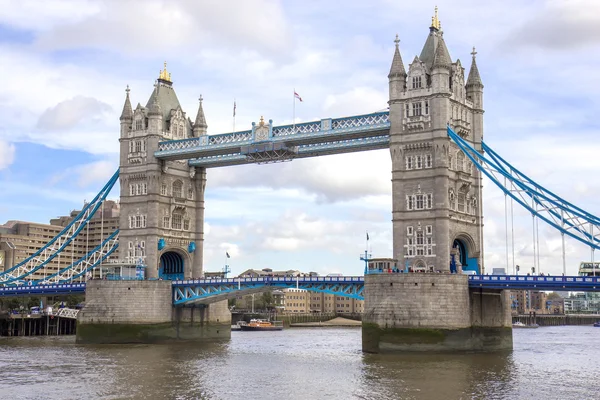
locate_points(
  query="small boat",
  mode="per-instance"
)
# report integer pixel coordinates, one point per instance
(519, 324)
(238, 326)
(261, 325)
(597, 324)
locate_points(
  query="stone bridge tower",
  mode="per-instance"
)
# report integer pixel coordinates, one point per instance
(436, 190)
(162, 202)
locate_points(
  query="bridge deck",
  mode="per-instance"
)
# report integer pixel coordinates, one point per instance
(208, 290)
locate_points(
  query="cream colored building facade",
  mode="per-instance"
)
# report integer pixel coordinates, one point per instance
(20, 240)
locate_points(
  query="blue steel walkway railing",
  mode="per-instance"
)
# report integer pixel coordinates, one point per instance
(195, 291)
(309, 139)
(210, 290)
(524, 282)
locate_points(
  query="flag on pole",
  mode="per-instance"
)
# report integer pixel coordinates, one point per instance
(234, 106)
(227, 254)
(367, 235)
(296, 95)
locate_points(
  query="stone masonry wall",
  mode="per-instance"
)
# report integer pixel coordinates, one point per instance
(130, 302)
(417, 300)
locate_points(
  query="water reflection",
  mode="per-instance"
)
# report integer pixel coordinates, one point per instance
(437, 376)
(322, 363)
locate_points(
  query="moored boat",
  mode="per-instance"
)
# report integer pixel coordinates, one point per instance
(519, 324)
(597, 324)
(262, 325)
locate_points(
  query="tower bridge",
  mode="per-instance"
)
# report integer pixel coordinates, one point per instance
(434, 131)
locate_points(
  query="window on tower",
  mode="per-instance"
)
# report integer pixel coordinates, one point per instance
(416, 82)
(428, 163)
(178, 189)
(461, 201)
(176, 222)
(416, 108)
(460, 160)
(426, 107)
(419, 202)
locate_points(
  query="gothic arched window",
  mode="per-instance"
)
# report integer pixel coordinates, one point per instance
(460, 160)
(178, 189)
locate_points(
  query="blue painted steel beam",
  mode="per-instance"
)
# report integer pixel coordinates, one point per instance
(314, 150)
(556, 212)
(207, 290)
(524, 282)
(94, 205)
(36, 290)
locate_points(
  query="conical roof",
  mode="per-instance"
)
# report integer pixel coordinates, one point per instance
(397, 68)
(428, 52)
(127, 111)
(442, 55)
(153, 105)
(165, 95)
(474, 78)
(200, 119)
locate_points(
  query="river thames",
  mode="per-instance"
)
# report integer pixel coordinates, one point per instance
(301, 363)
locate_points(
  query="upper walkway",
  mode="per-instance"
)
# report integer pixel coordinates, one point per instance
(266, 143)
(199, 291)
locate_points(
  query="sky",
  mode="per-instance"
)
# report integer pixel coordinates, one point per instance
(65, 65)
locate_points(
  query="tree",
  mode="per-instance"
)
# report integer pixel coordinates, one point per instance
(554, 296)
(267, 299)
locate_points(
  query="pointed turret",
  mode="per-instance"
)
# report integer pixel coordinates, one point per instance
(474, 79)
(200, 123)
(431, 44)
(442, 58)
(127, 113)
(397, 75)
(154, 108)
(397, 68)
(155, 117)
(474, 85)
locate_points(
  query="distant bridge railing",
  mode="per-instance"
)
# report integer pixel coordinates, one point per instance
(525, 282)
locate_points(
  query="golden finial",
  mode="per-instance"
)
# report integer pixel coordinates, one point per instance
(435, 22)
(164, 74)
(397, 41)
(262, 121)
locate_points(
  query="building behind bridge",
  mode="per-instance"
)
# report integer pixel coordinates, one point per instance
(20, 239)
(300, 301)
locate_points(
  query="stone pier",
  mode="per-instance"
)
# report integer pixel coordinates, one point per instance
(142, 312)
(433, 312)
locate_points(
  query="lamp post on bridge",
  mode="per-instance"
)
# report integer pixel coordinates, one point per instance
(366, 258)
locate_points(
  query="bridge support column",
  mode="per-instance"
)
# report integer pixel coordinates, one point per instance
(432, 312)
(142, 312)
(200, 183)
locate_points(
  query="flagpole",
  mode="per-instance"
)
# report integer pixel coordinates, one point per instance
(294, 116)
(234, 115)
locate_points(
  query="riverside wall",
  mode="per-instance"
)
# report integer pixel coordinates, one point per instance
(142, 312)
(433, 312)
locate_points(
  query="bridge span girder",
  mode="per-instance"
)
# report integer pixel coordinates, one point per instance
(203, 292)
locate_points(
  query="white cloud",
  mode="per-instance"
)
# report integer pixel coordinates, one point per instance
(69, 113)
(7, 154)
(158, 25)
